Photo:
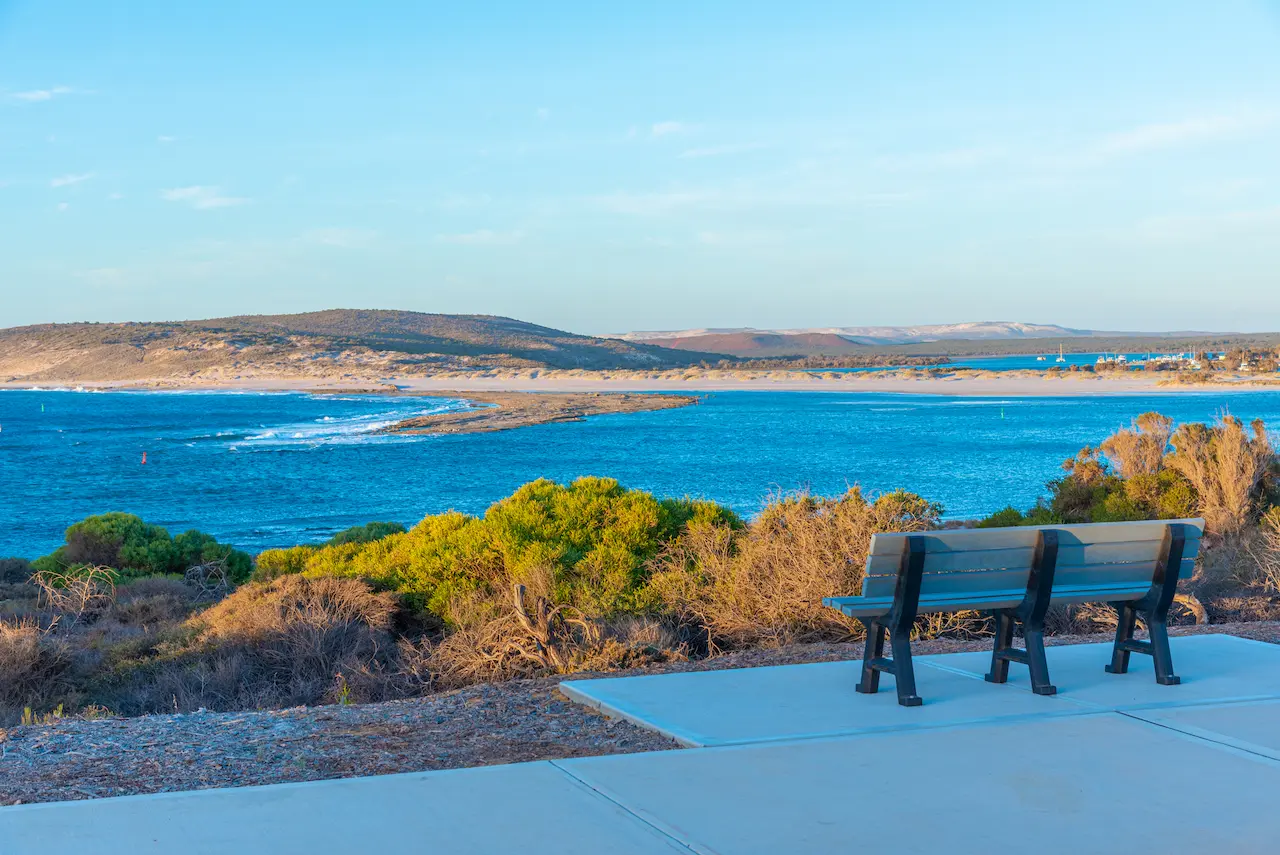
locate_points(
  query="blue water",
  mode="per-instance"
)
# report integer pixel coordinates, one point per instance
(274, 470)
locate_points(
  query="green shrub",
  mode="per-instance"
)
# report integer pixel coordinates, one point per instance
(588, 543)
(1005, 518)
(366, 533)
(132, 547)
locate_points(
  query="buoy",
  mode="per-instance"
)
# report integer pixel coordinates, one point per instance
(144, 458)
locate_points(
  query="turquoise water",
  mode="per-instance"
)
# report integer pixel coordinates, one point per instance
(272, 470)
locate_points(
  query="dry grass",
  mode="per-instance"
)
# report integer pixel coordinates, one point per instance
(764, 586)
(530, 636)
(1140, 450)
(1226, 464)
(33, 665)
(76, 593)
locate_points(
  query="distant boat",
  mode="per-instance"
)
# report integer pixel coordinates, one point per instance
(1060, 358)
(1040, 359)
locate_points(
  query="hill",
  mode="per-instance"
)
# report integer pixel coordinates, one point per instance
(967, 339)
(339, 343)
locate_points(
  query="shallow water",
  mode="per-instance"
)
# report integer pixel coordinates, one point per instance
(278, 469)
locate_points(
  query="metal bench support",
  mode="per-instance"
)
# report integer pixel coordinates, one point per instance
(898, 622)
(1154, 611)
(1030, 613)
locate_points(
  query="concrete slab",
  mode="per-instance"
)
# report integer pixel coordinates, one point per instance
(782, 702)
(526, 808)
(1098, 783)
(1213, 668)
(1249, 726)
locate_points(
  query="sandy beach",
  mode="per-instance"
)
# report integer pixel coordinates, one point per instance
(961, 382)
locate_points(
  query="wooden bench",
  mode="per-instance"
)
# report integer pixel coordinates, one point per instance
(1016, 574)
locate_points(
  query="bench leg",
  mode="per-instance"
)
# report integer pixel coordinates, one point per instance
(999, 672)
(1037, 662)
(1033, 656)
(904, 673)
(874, 650)
(1124, 636)
(873, 662)
(1160, 652)
(1157, 647)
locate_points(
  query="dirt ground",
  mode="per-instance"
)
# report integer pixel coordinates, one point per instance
(477, 726)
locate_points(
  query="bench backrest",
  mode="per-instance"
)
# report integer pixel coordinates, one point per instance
(995, 563)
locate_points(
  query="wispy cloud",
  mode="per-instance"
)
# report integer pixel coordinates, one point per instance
(166, 139)
(62, 206)
(739, 198)
(482, 237)
(33, 96)
(722, 150)
(1185, 132)
(543, 113)
(343, 238)
(666, 129)
(201, 197)
(1185, 228)
(68, 180)
(930, 161)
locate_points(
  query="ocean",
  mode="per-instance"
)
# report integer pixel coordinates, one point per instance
(265, 470)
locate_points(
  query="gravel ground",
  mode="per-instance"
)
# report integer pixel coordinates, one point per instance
(478, 726)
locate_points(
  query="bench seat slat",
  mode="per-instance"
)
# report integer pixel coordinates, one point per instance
(987, 601)
(1137, 573)
(1070, 555)
(958, 540)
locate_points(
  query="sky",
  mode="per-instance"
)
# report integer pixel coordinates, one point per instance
(605, 167)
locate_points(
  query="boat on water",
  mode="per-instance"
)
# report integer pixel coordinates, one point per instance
(1060, 358)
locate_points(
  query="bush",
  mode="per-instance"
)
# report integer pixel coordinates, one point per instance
(33, 667)
(293, 641)
(274, 563)
(588, 544)
(366, 533)
(124, 543)
(1005, 518)
(764, 584)
(15, 571)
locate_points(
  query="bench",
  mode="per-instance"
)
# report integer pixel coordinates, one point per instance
(1016, 574)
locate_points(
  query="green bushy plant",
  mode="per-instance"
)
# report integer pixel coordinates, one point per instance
(132, 547)
(588, 544)
(366, 533)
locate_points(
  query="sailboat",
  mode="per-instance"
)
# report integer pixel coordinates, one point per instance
(1060, 358)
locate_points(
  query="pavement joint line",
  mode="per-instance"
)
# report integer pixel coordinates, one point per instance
(652, 823)
(887, 729)
(1196, 734)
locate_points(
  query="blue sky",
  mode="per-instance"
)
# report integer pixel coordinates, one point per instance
(604, 167)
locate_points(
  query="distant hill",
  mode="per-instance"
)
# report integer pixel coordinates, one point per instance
(843, 341)
(340, 344)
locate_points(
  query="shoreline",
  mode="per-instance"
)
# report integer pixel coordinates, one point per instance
(977, 383)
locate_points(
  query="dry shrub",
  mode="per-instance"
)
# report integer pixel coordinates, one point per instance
(77, 592)
(293, 641)
(1226, 464)
(1140, 450)
(1264, 549)
(764, 586)
(33, 665)
(14, 571)
(532, 637)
